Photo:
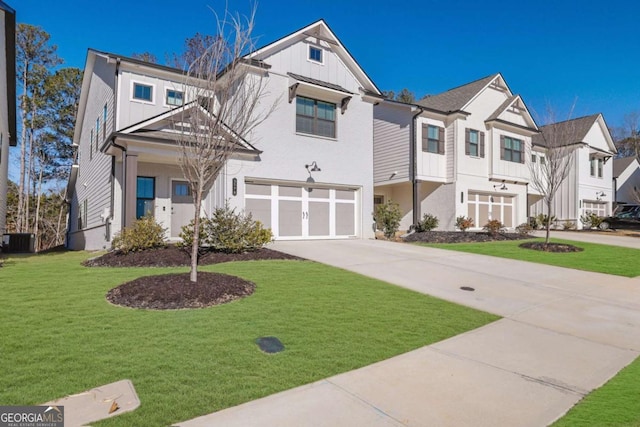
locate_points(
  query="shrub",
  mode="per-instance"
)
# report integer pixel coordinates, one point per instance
(463, 223)
(591, 220)
(228, 231)
(144, 233)
(524, 229)
(387, 217)
(428, 223)
(542, 220)
(569, 225)
(231, 232)
(493, 227)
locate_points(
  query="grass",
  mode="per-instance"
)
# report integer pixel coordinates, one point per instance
(60, 336)
(615, 260)
(616, 404)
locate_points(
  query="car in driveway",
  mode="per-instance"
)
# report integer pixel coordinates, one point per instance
(628, 218)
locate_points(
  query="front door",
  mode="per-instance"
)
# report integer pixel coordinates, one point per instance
(182, 210)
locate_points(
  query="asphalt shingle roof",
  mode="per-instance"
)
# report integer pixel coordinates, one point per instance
(574, 130)
(620, 164)
(456, 98)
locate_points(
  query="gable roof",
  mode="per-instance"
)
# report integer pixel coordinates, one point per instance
(576, 128)
(513, 100)
(457, 98)
(620, 164)
(321, 30)
(146, 128)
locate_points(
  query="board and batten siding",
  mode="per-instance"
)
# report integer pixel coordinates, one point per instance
(391, 140)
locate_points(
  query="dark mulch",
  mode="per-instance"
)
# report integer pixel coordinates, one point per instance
(462, 237)
(174, 291)
(173, 256)
(550, 247)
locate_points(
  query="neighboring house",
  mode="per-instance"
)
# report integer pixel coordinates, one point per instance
(7, 103)
(306, 172)
(459, 153)
(626, 180)
(588, 187)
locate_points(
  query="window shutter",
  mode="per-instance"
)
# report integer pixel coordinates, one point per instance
(501, 147)
(440, 140)
(467, 141)
(482, 144)
(521, 151)
(425, 137)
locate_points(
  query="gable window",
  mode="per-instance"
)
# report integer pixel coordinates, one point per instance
(474, 143)
(315, 54)
(432, 139)
(145, 195)
(315, 117)
(174, 97)
(143, 92)
(511, 149)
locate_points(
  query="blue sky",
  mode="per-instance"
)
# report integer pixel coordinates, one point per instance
(550, 52)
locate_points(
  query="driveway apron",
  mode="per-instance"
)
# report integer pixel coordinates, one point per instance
(564, 333)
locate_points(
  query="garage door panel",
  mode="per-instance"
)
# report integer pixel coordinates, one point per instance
(290, 218)
(483, 207)
(260, 210)
(319, 219)
(345, 219)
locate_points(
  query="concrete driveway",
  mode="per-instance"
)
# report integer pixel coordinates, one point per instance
(564, 333)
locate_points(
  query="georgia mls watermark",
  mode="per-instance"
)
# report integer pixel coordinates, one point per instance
(31, 416)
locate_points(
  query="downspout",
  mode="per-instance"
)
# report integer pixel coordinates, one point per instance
(413, 153)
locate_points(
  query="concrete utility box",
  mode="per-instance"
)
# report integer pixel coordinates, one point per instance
(18, 243)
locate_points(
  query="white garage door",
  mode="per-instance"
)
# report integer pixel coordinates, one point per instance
(485, 207)
(598, 208)
(294, 212)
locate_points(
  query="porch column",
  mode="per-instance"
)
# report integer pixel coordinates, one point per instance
(130, 185)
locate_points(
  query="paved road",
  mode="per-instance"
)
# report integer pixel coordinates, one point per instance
(563, 333)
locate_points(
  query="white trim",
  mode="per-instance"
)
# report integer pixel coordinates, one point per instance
(132, 98)
(322, 54)
(164, 100)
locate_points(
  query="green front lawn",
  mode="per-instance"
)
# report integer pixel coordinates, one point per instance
(616, 404)
(598, 258)
(60, 336)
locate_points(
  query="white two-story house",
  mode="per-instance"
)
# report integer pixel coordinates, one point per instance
(459, 153)
(588, 185)
(305, 172)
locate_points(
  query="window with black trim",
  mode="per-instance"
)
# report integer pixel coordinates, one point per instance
(315, 117)
(143, 92)
(432, 139)
(104, 120)
(315, 54)
(91, 146)
(145, 195)
(512, 149)
(174, 97)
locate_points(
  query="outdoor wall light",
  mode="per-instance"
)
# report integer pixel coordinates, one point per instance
(314, 167)
(502, 187)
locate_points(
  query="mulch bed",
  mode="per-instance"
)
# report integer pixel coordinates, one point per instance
(551, 247)
(173, 256)
(462, 237)
(174, 291)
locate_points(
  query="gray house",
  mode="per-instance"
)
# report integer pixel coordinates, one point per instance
(7, 102)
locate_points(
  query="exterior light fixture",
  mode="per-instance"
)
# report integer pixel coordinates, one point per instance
(314, 167)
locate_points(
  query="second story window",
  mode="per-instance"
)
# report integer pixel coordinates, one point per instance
(174, 97)
(474, 143)
(596, 167)
(432, 139)
(511, 149)
(143, 92)
(315, 117)
(104, 120)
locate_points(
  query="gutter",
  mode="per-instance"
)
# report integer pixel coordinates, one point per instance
(413, 166)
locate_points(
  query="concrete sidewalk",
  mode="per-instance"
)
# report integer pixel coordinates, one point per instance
(564, 333)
